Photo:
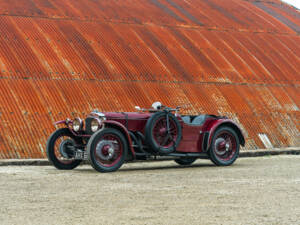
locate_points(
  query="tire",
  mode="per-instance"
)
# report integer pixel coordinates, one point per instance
(102, 148)
(185, 161)
(225, 147)
(53, 153)
(156, 133)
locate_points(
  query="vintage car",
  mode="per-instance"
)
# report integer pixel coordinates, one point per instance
(109, 139)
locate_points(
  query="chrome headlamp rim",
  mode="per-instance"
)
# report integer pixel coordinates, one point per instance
(77, 124)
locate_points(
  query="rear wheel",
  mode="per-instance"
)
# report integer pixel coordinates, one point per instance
(107, 150)
(185, 161)
(59, 149)
(225, 147)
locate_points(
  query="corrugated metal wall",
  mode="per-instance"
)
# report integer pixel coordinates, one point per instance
(61, 58)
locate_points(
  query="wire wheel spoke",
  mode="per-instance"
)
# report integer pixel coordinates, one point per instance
(162, 135)
(166, 139)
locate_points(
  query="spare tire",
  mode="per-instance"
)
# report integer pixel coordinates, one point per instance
(158, 138)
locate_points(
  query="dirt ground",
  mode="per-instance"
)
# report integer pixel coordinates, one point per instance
(264, 190)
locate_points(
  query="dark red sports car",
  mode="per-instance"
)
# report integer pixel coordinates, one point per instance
(107, 140)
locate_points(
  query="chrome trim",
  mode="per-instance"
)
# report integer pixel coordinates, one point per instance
(100, 114)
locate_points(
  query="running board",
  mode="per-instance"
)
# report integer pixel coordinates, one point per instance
(198, 155)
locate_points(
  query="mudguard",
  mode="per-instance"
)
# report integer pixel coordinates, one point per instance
(122, 128)
(61, 122)
(212, 127)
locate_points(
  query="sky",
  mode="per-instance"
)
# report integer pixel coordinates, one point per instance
(295, 3)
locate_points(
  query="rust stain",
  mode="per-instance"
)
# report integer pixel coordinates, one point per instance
(278, 16)
(63, 58)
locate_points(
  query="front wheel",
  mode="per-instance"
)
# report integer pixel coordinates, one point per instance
(107, 150)
(185, 161)
(225, 147)
(59, 149)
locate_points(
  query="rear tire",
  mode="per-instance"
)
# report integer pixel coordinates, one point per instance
(225, 147)
(107, 150)
(185, 161)
(53, 153)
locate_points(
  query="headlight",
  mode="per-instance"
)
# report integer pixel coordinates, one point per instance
(77, 124)
(96, 124)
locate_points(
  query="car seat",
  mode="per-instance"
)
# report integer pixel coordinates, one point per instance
(199, 120)
(186, 119)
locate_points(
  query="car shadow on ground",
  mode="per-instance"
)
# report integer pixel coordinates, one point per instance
(138, 168)
(151, 168)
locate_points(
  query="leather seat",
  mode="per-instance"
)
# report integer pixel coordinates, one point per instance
(186, 119)
(199, 120)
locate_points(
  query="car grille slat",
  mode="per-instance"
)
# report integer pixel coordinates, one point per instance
(88, 122)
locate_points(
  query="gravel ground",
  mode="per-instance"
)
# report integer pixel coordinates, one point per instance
(264, 190)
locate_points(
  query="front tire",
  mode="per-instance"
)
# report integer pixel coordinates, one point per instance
(225, 147)
(107, 150)
(185, 161)
(54, 154)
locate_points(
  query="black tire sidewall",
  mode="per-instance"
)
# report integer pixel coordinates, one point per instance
(185, 161)
(212, 153)
(95, 139)
(150, 139)
(50, 149)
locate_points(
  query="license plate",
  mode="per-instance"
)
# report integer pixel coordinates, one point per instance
(80, 155)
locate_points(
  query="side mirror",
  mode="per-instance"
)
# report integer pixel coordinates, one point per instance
(137, 108)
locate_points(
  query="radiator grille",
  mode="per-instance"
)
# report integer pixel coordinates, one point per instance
(88, 129)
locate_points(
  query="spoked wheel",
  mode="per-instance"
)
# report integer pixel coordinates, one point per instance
(225, 147)
(107, 150)
(163, 136)
(60, 146)
(185, 161)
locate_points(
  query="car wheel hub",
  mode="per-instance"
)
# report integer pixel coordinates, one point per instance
(162, 131)
(105, 150)
(221, 146)
(65, 148)
(227, 146)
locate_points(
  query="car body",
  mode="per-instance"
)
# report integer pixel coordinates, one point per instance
(109, 139)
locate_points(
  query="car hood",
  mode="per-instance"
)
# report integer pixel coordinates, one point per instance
(124, 115)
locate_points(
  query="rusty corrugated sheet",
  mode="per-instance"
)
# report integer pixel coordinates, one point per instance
(61, 58)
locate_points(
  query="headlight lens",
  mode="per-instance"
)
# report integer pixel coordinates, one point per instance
(77, 124)
(96, 124)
